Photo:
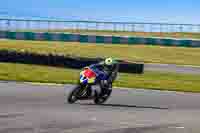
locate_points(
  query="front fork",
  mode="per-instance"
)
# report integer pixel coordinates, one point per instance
(86, 92)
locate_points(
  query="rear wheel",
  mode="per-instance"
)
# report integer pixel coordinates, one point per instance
(104, 98)
(72, 97)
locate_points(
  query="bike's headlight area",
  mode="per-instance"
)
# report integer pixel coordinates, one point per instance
(83, 79)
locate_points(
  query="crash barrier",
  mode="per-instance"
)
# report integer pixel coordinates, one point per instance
(99, 39)
(63, 61)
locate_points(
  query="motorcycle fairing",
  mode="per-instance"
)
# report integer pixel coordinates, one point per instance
(87, 76)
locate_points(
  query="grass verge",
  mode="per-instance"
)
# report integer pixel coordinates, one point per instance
(149, 80)
(136, 53)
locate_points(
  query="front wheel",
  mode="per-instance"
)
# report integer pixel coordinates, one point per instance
(72, 97)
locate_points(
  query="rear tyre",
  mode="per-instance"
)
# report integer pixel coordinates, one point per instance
(72, 97)
(102, 99)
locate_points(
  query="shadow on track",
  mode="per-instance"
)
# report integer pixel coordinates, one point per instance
(124, 106)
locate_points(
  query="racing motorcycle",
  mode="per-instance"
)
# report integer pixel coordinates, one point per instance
(85, 91)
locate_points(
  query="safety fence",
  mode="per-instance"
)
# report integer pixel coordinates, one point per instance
(98, 39)
(8, 24)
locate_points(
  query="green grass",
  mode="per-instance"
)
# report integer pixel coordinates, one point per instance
(125, 33)
(135, 53)
(149, 80)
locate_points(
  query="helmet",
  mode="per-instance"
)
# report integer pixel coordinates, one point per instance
(109, 61)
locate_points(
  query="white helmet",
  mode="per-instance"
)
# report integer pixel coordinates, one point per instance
(109, 61)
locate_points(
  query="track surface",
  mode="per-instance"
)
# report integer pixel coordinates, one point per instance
(172, 68)
(26, 108)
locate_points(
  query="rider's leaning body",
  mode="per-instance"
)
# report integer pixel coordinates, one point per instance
(107, 68)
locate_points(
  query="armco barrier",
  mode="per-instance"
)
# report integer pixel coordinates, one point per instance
(62, 61)
(99, 39)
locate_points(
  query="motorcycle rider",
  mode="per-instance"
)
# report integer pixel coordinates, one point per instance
(108, 69)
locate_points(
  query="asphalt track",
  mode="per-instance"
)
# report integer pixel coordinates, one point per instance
(184, 69)
(26, 108)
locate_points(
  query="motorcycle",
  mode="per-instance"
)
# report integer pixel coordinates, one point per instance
(84, 90)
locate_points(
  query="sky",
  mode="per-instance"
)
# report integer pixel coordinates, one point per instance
(171, 11)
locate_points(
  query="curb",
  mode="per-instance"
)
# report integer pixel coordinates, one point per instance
(43, 84)
(114, 87)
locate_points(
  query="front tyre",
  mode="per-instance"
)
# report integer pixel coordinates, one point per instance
(72, 97)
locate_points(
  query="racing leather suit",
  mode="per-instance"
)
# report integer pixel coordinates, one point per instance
(109, 73)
